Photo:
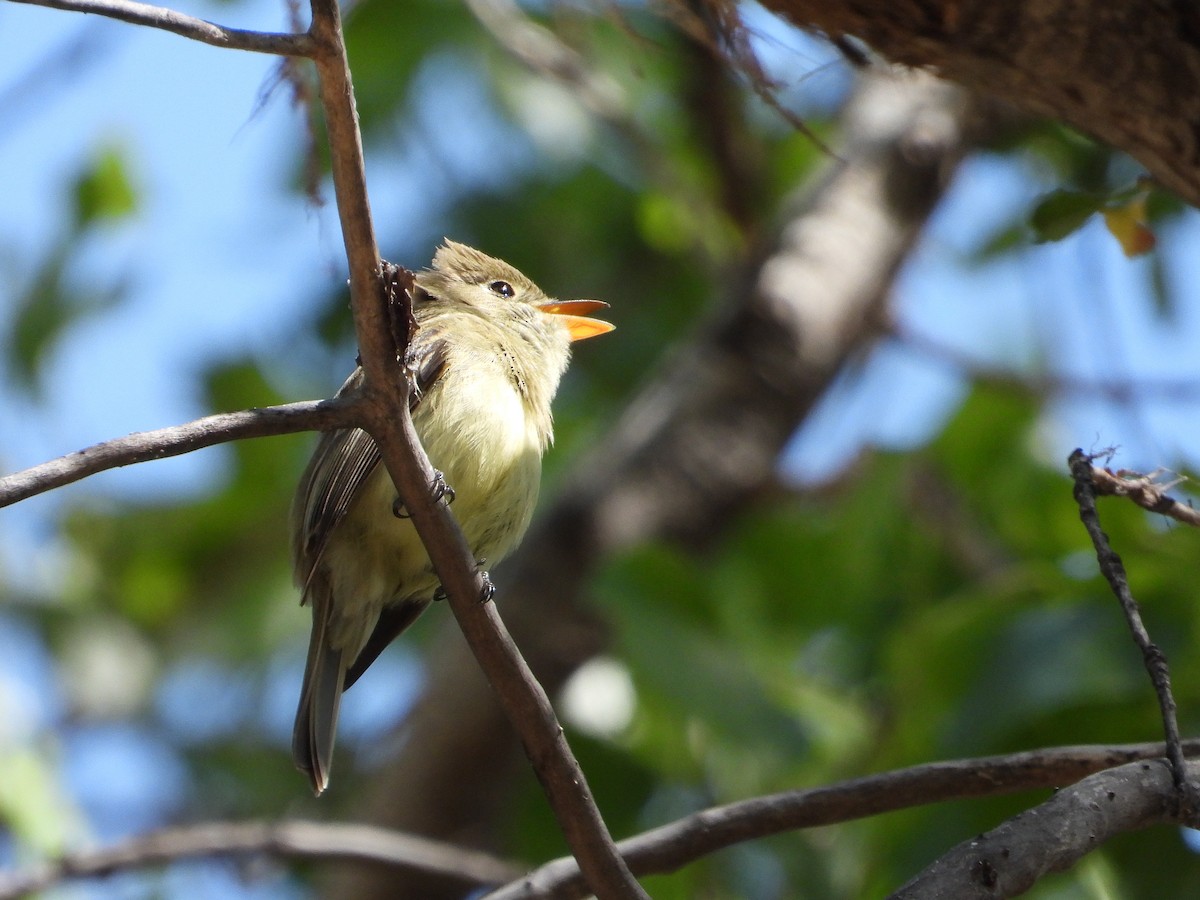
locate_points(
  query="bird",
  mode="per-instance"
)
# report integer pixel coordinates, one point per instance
(485, 361)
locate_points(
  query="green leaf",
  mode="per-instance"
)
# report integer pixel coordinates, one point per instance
(104, 190)
(1062, 213)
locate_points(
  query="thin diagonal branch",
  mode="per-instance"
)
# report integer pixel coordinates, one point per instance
(381, 408)
(1156, 662)
(294, 840)
(669, 847)
(374, 303)
(143, 446)
(188, 26)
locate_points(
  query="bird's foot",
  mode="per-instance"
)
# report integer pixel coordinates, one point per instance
(489, 588)
(486, 595)
(440, 489)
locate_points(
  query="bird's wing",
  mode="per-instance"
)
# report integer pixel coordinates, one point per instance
(345, 459)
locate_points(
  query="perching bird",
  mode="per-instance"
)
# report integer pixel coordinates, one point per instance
(487, 354)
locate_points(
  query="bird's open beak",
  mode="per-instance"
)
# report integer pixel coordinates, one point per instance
(574, 313)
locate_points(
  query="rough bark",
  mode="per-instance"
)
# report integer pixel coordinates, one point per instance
(1010, 859)
(1126, 73)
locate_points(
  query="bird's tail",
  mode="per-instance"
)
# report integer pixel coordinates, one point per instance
(320, 697)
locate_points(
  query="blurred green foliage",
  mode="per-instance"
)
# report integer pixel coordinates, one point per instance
(52, 295)
(935, 604)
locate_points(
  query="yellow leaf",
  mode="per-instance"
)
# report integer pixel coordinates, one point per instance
(1128, 225)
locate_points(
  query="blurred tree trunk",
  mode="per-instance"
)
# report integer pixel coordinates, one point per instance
(697, 447)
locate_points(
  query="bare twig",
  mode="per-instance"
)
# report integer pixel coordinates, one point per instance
(719, 27)
(1008, 860)
(389, 423)
(1156, 662)
(297, 840)
(1146, 492)
(143, 446)
(671, 846)
(187, 26)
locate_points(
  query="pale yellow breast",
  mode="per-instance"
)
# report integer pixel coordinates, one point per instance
(486, 445)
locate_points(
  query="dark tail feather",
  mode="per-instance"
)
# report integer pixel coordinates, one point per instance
(320, 697)
(392, 621)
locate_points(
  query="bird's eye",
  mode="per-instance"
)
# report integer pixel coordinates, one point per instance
(501, 288)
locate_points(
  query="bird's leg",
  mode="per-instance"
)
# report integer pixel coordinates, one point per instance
(439, 490)
(485, 596)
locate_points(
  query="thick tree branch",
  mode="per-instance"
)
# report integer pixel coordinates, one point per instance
(291, 840)
(1051, 837)
(187, 26)
(686, 840)
(143, 446)
(1116, 76)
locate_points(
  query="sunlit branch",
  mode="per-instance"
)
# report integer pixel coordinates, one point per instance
(143, 446)
(1146, 491)
(187, 26)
